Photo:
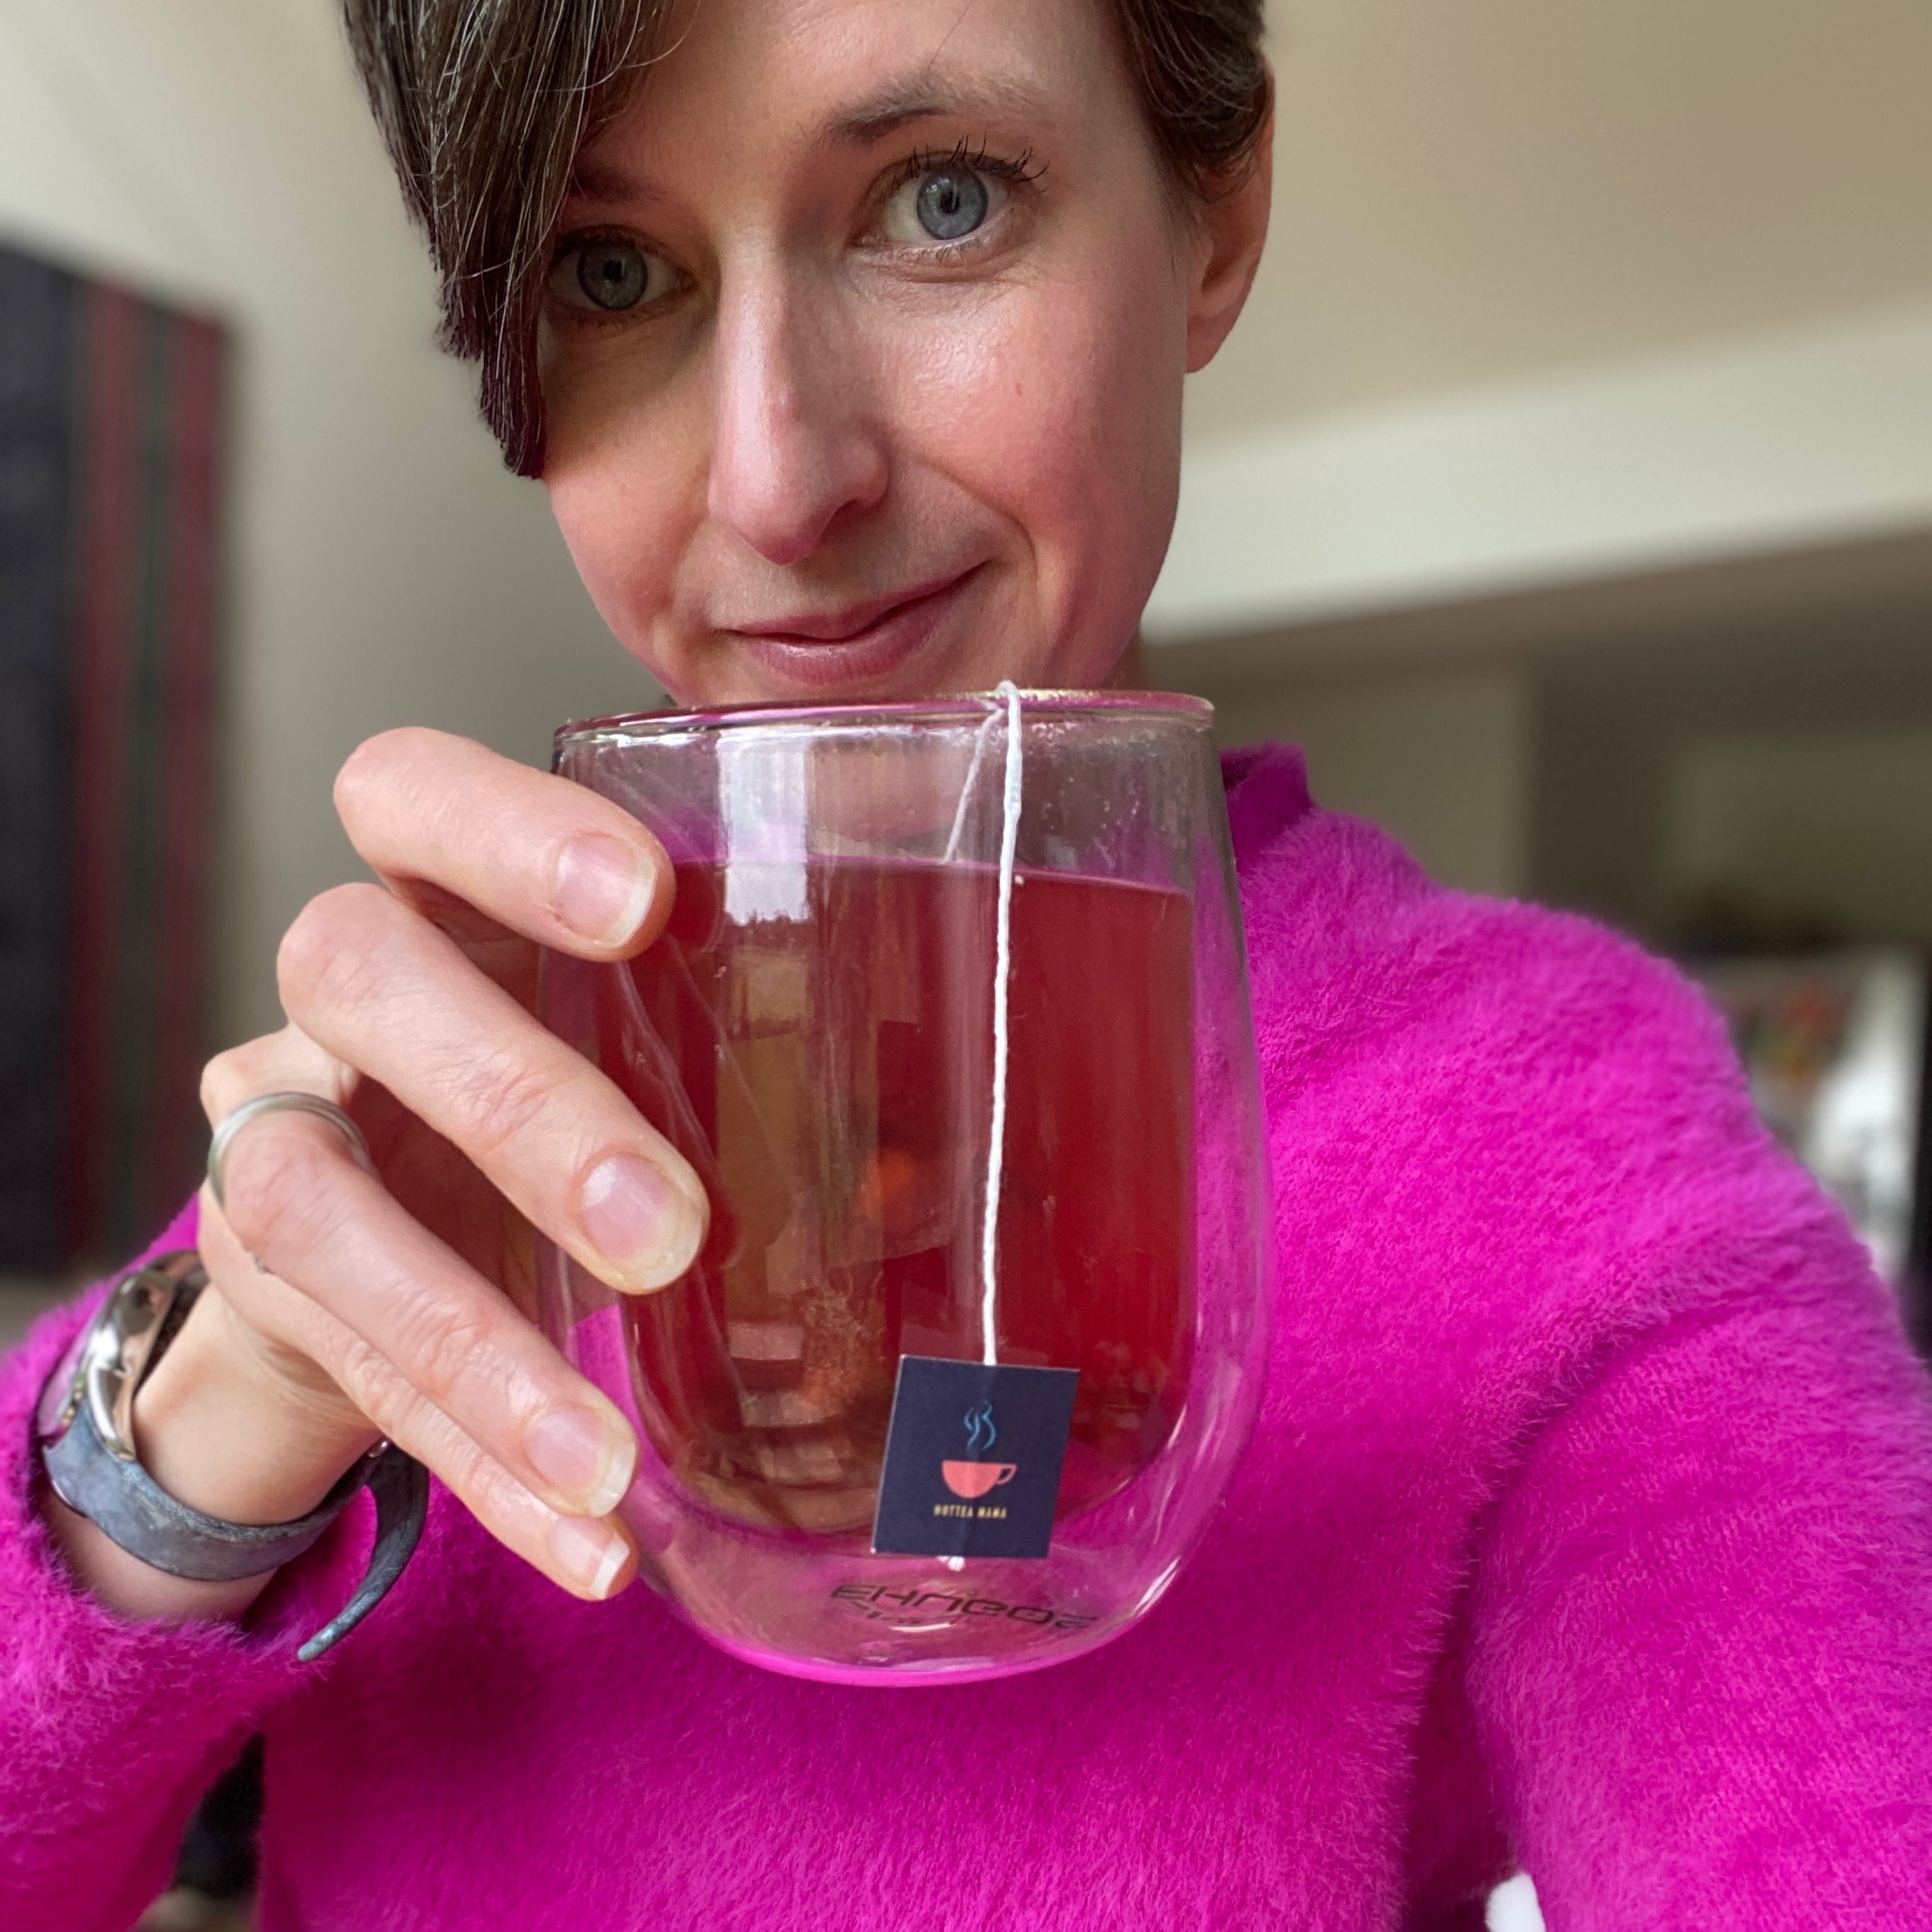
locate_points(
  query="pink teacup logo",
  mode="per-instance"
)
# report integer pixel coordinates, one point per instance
(974, 1479)
(971, 1479)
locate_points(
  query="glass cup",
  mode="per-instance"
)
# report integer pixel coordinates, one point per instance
(952, 1019)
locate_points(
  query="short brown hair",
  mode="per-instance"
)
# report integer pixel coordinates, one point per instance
(484, 104)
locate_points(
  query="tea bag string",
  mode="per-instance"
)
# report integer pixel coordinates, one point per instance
(1002, 977)
(960, 810)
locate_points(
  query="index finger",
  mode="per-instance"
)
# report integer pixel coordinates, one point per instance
(546, 857)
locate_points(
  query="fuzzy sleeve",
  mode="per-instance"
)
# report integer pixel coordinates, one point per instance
(110, 1730)
(1702, 1633)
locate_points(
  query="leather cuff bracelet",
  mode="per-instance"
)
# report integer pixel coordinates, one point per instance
(85, 1432)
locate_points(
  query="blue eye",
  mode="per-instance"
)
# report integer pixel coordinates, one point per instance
(613, 274)
(609, 276)
(944, 201)
(952, 203)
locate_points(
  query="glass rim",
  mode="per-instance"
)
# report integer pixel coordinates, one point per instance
(621, 728)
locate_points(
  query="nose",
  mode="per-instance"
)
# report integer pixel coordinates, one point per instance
(794, 443)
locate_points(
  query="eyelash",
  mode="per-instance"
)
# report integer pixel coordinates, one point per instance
(1018, 171)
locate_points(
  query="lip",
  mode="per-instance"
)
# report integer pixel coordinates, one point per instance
(844, 626)
(857, 646)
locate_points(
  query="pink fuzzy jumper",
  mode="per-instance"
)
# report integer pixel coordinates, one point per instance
(1588, 1526)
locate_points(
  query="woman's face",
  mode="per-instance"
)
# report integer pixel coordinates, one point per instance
(863, 349)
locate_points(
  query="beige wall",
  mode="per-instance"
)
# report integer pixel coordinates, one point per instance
(1768, 775)
(384, 568)
(1441, 759)
(1781, 780)
(1498, 189)
(1828, 829)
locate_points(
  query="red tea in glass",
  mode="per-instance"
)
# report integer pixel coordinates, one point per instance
(820, 1072)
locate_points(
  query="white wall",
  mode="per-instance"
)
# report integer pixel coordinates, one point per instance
(385, 567)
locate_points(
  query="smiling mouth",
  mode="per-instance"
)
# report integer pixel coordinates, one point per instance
(856, 623)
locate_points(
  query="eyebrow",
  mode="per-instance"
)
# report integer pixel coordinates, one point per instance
(595, 180)
(875, 118)
(890, 108)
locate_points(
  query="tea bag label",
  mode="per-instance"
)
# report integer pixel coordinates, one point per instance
(972, 1459)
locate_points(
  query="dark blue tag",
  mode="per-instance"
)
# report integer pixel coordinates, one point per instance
(972, 1459)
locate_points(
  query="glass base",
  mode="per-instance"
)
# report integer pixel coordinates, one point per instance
(827, 1610)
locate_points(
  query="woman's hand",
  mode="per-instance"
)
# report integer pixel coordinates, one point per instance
(344, 1306)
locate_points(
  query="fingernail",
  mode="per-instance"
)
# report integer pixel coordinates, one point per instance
(583, 1457)
(603, 889)
(591, 1554)
(640, 1221)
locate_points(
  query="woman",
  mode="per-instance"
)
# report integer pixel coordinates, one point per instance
(1589, 1522)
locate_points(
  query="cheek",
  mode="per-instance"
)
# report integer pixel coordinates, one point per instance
(1057, 407)
(608, 540)
(623, 474)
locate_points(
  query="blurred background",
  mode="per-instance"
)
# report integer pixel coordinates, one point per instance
(1565, 491)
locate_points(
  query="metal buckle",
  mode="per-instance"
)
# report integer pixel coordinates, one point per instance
(116, 1348)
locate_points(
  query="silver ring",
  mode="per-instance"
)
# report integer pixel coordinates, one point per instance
(289, 1103)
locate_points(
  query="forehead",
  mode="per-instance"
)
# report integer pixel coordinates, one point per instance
(739, 79)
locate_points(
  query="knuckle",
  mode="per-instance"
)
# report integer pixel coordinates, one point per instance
(441, 1347)
(383, 1397)
(272, 1191)
(465, 1470)
(326, 956)
(371, 769)
(236, 1073)
(221, 1080)
(502, 1504)
(370, 1380)
(499, 1101)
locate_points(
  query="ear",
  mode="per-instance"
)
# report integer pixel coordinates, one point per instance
(1230, 230)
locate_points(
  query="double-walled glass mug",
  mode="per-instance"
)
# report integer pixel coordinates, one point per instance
(952, 1019)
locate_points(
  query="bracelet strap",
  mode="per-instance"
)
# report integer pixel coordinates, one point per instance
(401, 1485)
(87, 1450)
